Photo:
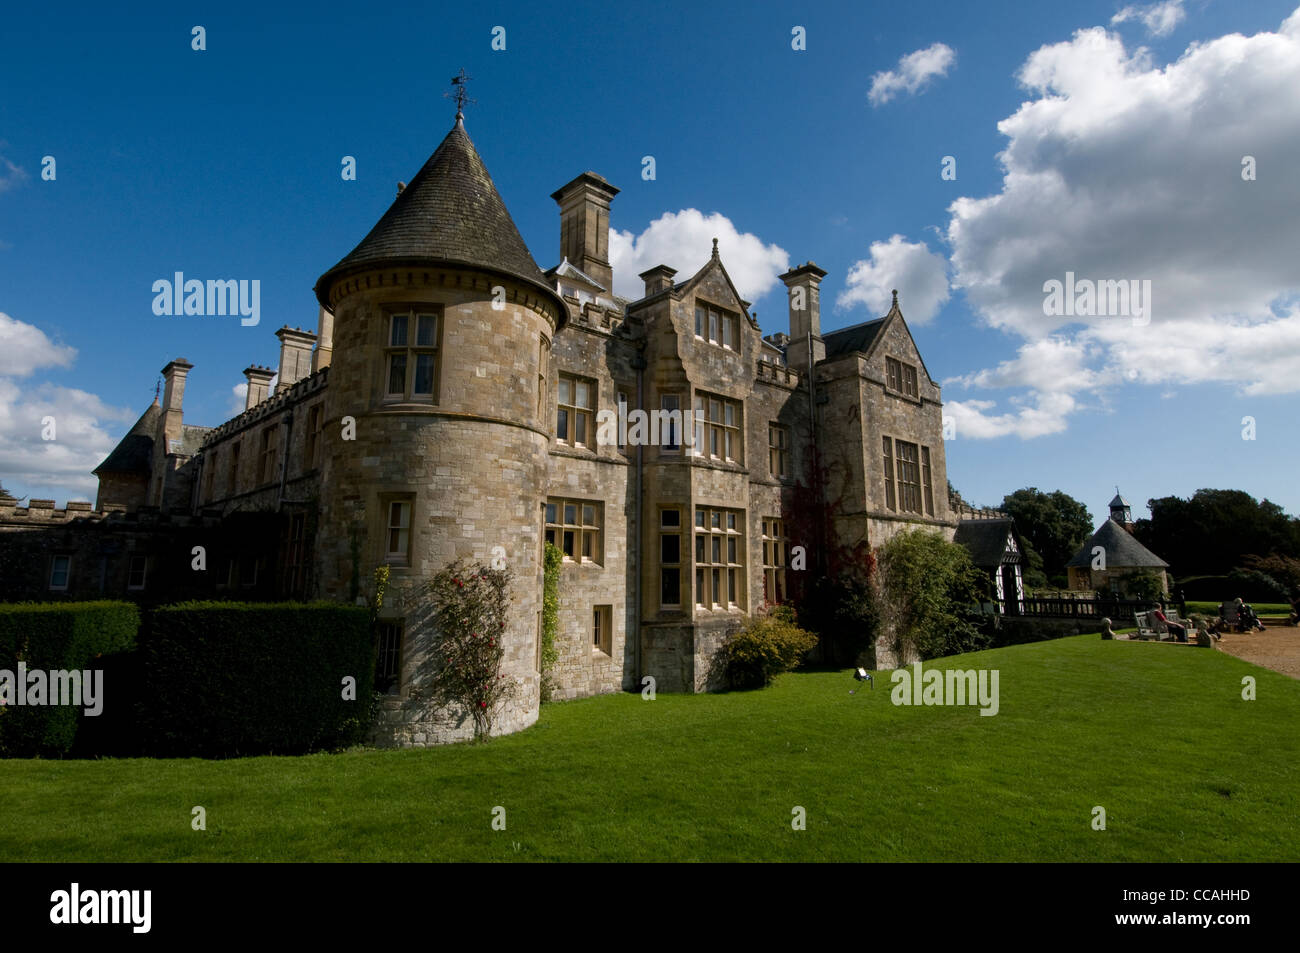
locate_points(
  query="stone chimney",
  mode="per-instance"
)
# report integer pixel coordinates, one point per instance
(295, 356)
(584, 225)
(174, 375)
(657, 279)
(259, 383)
(805, 314)
(324, 340)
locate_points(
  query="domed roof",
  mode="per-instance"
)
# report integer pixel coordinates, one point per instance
(450, 214)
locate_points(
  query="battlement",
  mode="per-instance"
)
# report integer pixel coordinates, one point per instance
(43, 513)
(282, 399)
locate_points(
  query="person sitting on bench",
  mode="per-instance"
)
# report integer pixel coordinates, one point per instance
(1295, 609)
(1174, 628)
(1246, 618)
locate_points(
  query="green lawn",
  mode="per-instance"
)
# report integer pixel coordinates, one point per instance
(1156, 734)
(1261, 608)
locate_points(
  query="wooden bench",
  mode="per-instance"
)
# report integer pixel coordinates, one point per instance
(1151, 628)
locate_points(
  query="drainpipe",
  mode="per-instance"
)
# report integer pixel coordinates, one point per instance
(284, 459)
(812, 436)
(639, 364)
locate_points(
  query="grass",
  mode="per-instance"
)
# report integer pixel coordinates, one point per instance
(1261, 608)
(1158, 735)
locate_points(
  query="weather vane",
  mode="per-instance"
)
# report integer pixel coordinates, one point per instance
(459, 93)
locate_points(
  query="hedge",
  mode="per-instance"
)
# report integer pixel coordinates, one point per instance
(62, 636)
(229, 678)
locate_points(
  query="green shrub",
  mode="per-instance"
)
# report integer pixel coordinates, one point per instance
(230, 678)
(552, 559)
(67, 636)
(764, 647)
(928, 593)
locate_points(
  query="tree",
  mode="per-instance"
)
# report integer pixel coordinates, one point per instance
(1054, 525)
(1212, 533)
(927, 593)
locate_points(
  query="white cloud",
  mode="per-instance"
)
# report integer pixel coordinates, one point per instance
(684, 240)
(10, 174)
(1159, 18)
(24, 348)
(58, 468)
(912, 73)
(239, 395)
(1045, 415)
(920, 275)
(1109, 173)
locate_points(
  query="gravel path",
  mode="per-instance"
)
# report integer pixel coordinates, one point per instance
(1277, 647)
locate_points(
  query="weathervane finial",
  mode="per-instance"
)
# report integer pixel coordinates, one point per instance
(459, 93)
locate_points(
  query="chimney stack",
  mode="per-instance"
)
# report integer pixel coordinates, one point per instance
(174, 375)
(805, 314)
(584, 225)
(324, 340)
(657, 279)
(259, 382)
(295, 356)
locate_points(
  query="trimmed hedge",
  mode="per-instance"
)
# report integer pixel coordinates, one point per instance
(68, 636)
(230, 678)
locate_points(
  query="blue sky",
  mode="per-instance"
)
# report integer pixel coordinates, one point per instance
(1124, 129)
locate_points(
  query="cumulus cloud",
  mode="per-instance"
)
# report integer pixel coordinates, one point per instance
(25, 348)
(1159, 18)
(920, 275)
(58, 468)
(1109, 174)
(914, 71)
(239, 395)
(684, 240)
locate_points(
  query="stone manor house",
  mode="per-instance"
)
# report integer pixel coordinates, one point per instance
(447, 404)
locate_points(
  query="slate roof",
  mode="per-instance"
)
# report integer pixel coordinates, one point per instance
(451, 213)
(1122, 550)
(134, 452)
(985, 540)
(855, 338)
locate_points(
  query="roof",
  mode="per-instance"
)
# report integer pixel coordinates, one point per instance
(855, 338)
(1122, 550)
(985, 540)
(1118, 501)
(134, 452)
(451, 213)
(567, 269)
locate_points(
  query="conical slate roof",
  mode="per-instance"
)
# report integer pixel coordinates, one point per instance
(1123, 551)
(451, 213)
(134, 452)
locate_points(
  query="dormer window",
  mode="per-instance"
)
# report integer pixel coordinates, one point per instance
(901, 378)
(717, 327)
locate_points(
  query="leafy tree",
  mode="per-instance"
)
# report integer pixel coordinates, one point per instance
(1213, 532)
(1053, 525)
(926, 592)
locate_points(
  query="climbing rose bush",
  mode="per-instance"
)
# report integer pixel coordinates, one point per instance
(469, 601)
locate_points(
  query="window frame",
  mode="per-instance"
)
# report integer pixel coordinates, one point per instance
(130, 572)
(389, 653)
(67, 572)
(670, 528)
(576, 411)
(602, 620)
(720, 559)
(411, 351)
(713, 431)
(717, 326)
(581, 530)
(267, 455)
(398, 557)
(778, 451)
(776, 558)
